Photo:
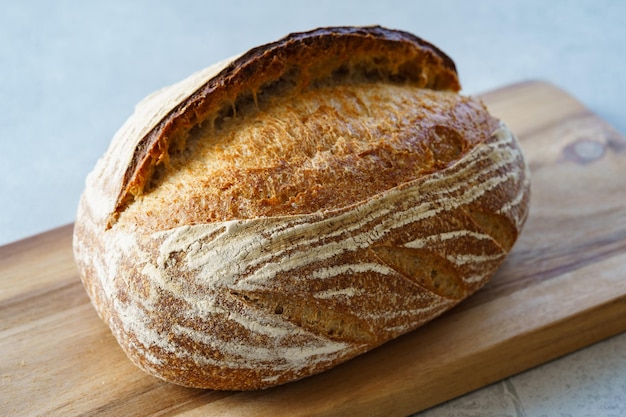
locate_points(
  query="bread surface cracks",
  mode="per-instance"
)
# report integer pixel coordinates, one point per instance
(303, 152)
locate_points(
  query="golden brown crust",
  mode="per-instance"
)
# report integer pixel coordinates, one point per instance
(303, 224)
(297, 61)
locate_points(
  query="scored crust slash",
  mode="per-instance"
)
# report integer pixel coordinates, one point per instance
(281, 212)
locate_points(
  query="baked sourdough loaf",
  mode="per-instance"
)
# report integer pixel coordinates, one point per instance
(282, 212)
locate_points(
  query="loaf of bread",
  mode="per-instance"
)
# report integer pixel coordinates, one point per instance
(279, 213)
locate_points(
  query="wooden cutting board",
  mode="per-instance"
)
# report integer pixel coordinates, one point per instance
(563, 287)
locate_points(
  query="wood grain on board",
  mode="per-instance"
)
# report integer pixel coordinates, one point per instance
(563, 287)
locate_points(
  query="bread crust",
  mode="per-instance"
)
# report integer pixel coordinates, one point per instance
(160, 122)
(202, 293)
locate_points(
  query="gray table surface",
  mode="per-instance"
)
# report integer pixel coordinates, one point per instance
(71, 72)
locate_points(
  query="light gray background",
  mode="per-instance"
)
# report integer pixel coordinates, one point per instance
(71, 72)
